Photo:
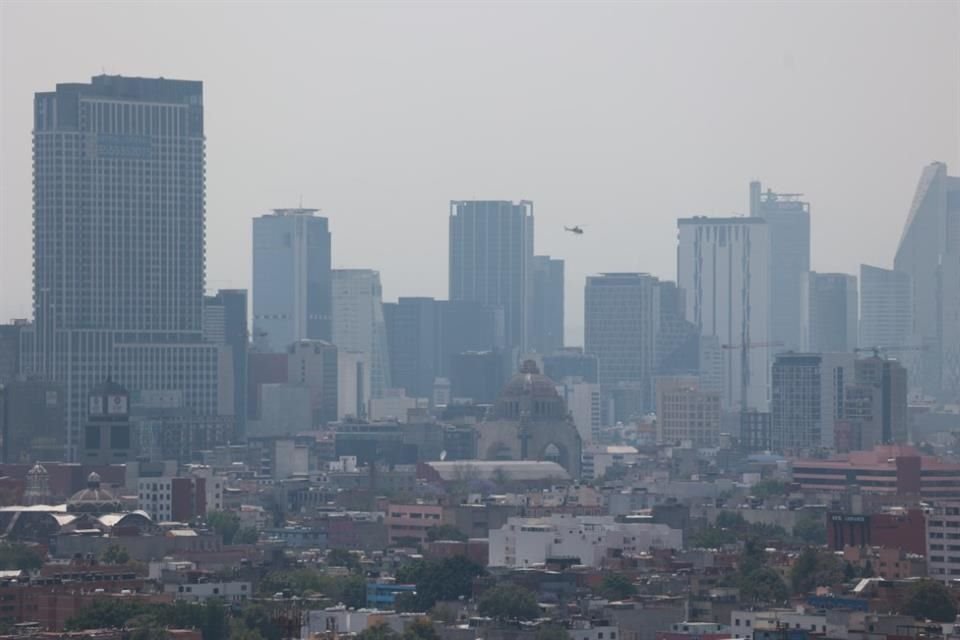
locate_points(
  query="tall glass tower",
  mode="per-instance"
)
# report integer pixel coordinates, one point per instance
(118, 241)
(491, 256)
(292, 295)
(788, 223)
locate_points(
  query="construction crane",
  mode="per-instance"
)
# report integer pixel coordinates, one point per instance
(745, 365)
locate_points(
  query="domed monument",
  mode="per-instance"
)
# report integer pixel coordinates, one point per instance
(530, 421)
(94, 499)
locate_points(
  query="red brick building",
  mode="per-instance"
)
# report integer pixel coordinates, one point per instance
(905, 529)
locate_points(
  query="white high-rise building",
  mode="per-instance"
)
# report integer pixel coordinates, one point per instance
(722, 264)
(291, 278)
(585, 406)
(358, 323)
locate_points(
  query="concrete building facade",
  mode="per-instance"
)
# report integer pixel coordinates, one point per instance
(722, 264)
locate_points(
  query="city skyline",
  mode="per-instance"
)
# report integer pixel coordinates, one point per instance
(627, 220)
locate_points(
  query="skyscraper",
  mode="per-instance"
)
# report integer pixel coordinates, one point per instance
(225, 323)
(546, 331)
(491, 251)
(886, 312)
(829, 314)
(722, 265)
(413, 336)
(875, 404)
(621, 321)
(788, 224)
(358, 323)
(807, 399)
(929, 252)
(119, 241)
(291, 278)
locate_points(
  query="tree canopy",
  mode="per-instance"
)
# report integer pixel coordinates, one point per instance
(20, 557)
(616, 586)
(815, 568)
(439, 579)
(115, 554)
(930, 600)
(350, 590)
(445, 532)
(508, 602)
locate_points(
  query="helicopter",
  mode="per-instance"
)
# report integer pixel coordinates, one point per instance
(575, 230)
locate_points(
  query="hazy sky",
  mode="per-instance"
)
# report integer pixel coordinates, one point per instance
(617, 116)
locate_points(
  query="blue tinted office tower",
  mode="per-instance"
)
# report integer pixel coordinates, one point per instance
(413, 338)
(929, 252)
(118, 242)
(571, 362)
(788, 222)
(678, 341)
(491, 251)
(467, 326)
(292, 295)
(621, 322)
(886, 312)
(829, 317)
(546, 331)
(225, 322)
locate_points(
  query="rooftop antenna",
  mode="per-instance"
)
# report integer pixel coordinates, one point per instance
(301, 201)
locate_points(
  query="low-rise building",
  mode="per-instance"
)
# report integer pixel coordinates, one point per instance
(587, 540)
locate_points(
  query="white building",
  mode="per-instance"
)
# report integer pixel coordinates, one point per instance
(394, 405)
(743, 622)
(585, 406)
(598, 459)
(723, 264)
(234, 591)
(358, 323)
(943, 542)
(526, 542)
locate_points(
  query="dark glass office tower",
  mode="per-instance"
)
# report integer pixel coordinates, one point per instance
(546, 330)
(491, 251)
(119, 241)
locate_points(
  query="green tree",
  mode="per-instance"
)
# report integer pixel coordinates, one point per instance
(20, 557)
(815, 568)
(343, 558)
(225, 523)
(420, 629)
(930, 600)
(712, 538)
(730, 520)
(240, 631)
(508, 602)
(445, 532)
(811, 530)
(110, 613)
(616, 586)
(551, 631)
(246, 535)
(762, 585)
(867, 571)
(380, 631)
(439, 579)
(770, 489)
(115, 554)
